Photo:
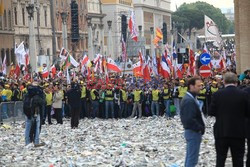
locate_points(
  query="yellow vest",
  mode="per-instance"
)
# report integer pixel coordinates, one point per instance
(165, 91)
(137, 95)
(202, 92)
(155, 95)
(182, 91)
(213, 90)
(109, 92)
(7, 93)
(83, 94)
(92, 94)
(48, 97)
(124, 95)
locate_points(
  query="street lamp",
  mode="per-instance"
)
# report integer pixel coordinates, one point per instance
(64, 16)
(109, 23)
(30, 10)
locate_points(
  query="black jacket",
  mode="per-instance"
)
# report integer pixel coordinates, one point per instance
(230, 108)
(74, 98)
(191, 115)
(247, 89)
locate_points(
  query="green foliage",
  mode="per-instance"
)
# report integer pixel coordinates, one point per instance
(192, 16)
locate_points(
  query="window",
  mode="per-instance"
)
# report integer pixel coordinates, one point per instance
(5, 19)
(23, 15)
(8, 57)
(1, 22)
(15, 13)
(45, 17)
(9, 20)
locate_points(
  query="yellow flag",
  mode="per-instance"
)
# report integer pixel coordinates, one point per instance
(1, 8)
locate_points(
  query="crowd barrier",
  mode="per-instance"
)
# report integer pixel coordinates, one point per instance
(11, 112)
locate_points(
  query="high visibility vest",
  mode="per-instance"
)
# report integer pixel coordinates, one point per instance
(24, 92)
(19, 95)
(92, 94)
(137, 95)
(48, 97)
(202, 92)
(124, 95)
(7, 93)
(155, 95)
(83, 93)
(165, 91)
(213, 90)
(182, 91)
(108, 95)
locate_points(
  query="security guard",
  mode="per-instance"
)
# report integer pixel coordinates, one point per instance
(155, 101)
(16, 95)
(109, 101)
(94, 101)
(202, 97)
(166, 99)
(48, 98)
(182, 90)
(83, 99)
(214, 88)
(137, 98)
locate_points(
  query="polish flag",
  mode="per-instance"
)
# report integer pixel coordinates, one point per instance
(111, 65)
(165, 70)
(45, 73)
(179, 71)
(86, 61)
(132, 27)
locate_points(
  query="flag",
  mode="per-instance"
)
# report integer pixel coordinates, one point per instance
(111, 65)
(69, 61)
(1, 8)
(27, 59)
(146, 73)
(12, 70)
(98, 56)
(137, 69)
(191, 62)
(154, 63)
(124, 51)
(73, 61)
(21, 54)
(63, 54)
(165, 71)
(4, 66)
(222, 63)
(132, 26)
(17, 71)
(45, 72)
(179, 71)
(53, 71)
(212, 31)
(205, 50)
(105, 70)
(158, 37)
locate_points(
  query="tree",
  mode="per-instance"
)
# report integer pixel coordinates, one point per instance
(192, 16)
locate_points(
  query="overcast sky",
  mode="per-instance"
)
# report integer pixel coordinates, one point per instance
(217, 3)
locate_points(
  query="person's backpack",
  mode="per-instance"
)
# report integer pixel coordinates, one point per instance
(36, 104)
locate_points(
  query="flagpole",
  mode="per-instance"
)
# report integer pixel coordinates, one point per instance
(125, 54)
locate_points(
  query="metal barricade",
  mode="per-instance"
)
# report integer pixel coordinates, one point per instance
(11, 112)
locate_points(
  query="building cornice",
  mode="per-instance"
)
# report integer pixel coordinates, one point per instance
(152, 8)
(96, 15)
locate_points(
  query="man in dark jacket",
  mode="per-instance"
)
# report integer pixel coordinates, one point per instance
(247, 89)
(74, 101)
(230, 108)
(193, 122)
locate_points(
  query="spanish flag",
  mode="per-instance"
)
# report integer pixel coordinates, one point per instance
(1, 8)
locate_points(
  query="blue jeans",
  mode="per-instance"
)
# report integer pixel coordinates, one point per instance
(167, 106)
(109, 105)
(155, 106)
(95, 105)
(28, 124)
(193, 140)
(122, 110)
(83, 111)
(177, 105)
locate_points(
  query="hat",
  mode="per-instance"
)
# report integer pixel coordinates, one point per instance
(182, 81)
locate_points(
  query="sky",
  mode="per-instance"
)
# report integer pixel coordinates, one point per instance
(217, 3)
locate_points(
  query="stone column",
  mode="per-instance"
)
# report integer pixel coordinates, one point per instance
(101, 27)
(110, 43)
(90, 40)
(64, 29)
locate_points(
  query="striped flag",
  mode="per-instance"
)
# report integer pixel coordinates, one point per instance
(132, 26)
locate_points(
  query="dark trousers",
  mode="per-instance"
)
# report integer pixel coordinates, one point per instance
(237, 147)
(75, 115)
(248, 152)
(83, 109)
(58, 113)
(47, 113)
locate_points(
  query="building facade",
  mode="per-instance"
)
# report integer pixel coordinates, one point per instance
(114, 9)
(242, 34)
(7, 33)
(42, 23)
(65, 6)
(95, 17)
(152, 13)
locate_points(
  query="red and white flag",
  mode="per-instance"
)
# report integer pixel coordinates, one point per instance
(132, 26)
(45, 73)
(137, 69)
(53, 70)
(4, 66)
(111, 65)
(86, 61)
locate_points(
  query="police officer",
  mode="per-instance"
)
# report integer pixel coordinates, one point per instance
(202, 97)
(182, 90)
(16, 93)
(48, 98)
(109, 102)
(123, 101)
